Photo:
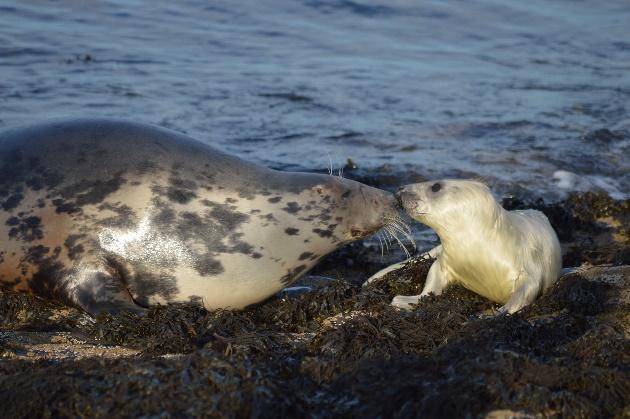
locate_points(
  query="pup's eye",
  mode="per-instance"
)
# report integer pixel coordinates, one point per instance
(436, 187)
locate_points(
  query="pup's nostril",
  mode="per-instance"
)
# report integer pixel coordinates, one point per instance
(405, 196)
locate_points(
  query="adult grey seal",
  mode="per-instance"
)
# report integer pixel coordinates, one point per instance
(509, 257)
(108, 215)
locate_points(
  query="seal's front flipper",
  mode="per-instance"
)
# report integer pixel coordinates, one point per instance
(526, 292)
(391, 268)
(432, 254)
(436, 280)
(405, 302)
(97, 290)
(436, 283)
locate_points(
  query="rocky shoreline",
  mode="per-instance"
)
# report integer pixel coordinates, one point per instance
(341, 350)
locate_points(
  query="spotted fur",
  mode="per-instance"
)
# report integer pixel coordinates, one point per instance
(108, 215)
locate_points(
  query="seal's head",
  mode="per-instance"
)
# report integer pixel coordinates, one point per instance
(351, 210)
(447, 205)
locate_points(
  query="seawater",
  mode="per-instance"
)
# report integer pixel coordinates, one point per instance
(532, 96)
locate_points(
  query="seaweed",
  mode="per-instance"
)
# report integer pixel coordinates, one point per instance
(27, 312)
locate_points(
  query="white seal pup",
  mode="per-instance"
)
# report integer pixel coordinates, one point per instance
(510, 257)
(110, 215)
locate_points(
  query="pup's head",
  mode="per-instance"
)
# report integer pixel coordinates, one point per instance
(448, 204)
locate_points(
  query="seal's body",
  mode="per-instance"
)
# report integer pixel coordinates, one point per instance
(509, 257)
(109, 215)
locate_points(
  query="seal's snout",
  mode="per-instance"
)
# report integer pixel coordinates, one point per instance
(404, 197)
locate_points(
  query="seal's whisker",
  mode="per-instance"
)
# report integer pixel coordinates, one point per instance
(388, 228)
(395, 237)
(399, 225)
(386, 239)
(406, 232)
(405, 235)
(380, 241)
(392, 234)
(396, 219)
(387, 234)
(399, 222)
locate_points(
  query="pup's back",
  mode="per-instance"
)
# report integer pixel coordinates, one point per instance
(540, 247)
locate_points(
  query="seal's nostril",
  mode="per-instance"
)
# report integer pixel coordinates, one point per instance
(406, 198)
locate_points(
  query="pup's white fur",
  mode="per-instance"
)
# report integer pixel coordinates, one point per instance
(510, 257)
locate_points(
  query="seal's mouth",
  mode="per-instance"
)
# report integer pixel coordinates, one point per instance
(361, 233)
(355, 233)
(384, 222)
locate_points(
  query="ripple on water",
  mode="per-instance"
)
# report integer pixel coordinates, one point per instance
(515, 93)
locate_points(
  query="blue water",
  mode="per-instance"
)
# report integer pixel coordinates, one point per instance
(514, 92)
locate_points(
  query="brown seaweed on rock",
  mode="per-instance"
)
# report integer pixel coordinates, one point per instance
(30, 313)
(562, 357)
(567, 355)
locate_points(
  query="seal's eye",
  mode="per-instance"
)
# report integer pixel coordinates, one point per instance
(436, 187)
